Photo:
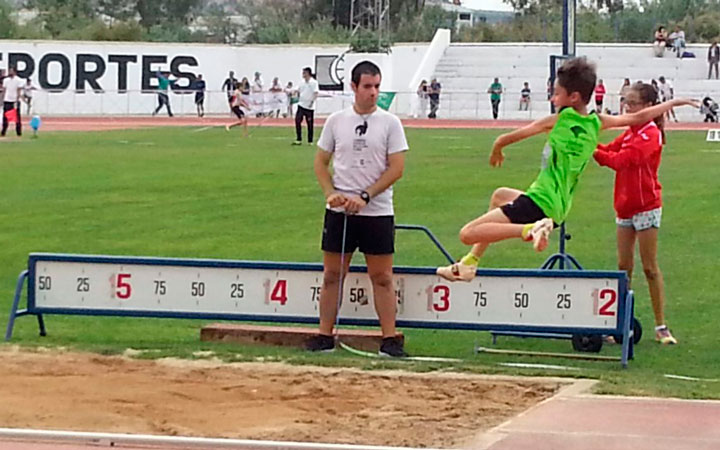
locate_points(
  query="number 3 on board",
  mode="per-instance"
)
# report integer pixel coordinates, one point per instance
(444, 300)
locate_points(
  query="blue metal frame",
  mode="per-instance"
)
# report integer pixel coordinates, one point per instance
(567, 262)
(623, 310)
(429, 234)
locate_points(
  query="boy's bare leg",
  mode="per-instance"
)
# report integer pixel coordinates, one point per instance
(501, 196)
(481, 232)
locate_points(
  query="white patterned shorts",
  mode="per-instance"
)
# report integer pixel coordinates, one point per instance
(642, 221)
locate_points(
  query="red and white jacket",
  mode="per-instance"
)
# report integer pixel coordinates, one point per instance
(635, 157)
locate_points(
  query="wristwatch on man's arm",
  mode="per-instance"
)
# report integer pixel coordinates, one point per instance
(365, 196)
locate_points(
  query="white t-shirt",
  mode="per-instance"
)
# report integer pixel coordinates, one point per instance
(665, 90)
(308, 89)
(360, 147)
(11, 86)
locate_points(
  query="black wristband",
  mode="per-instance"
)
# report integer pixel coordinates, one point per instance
(365, 196)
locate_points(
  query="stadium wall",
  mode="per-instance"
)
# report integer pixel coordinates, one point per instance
(90, 78)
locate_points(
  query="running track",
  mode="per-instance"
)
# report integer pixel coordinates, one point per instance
(80, 123)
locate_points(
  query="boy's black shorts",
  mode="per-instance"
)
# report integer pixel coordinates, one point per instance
(373, 235)
(523, 210)
(238, 112)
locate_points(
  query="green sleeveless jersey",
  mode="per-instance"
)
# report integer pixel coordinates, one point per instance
(570, 146)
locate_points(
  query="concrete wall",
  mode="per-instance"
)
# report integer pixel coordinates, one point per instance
(109, 78)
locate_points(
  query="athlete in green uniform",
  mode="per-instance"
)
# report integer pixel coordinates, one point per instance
(572, 138)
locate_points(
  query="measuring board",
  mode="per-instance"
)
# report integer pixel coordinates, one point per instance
(590, 302)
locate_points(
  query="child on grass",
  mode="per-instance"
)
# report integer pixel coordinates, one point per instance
(572, 138)
(635, 157)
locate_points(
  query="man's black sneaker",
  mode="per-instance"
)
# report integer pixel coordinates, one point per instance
(320, 343)
(391, 346)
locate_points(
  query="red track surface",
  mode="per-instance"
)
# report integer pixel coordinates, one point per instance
(79, 123)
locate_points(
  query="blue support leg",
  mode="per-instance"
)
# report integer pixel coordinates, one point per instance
(41, 325)
(16, 303)
(627, 345)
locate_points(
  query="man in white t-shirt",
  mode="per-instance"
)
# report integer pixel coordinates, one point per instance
(667, 93)
(12, 91)
(367, 148)
(308, 91)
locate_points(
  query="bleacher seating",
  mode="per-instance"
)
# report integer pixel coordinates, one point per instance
(467, 70)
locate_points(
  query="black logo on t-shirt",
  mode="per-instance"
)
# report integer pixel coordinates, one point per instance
(360, 130)
(578, 130)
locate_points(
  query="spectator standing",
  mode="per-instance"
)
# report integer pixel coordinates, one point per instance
(27, 94)
(308, 91)
(292, 98)
(245, 86)
(677, 38)
(624, 90)
(257, 97)
(525, 96)
(655, 86)
(667, 93)
(599, 96)
(422, 93)
(164, 84)
(277, 91)
(713, 58)
(495, 90)
(660, 42)
(434, 96)
(257, 85)
(12, 91)
(229, 86)
(199, 87)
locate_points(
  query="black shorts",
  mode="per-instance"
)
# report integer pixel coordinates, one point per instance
(373, 235)
(199, 98)
(523, 210)
(238, 112)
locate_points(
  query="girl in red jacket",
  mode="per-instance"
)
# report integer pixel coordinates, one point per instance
(635, 157)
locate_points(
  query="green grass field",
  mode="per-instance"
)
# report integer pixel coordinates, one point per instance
(180, 193)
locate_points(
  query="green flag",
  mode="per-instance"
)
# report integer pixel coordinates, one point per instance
(385, 100)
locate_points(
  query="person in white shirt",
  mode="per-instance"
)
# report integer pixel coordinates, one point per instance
(367, 148)
(12, 91)
(308, 91)
(257, 97)
(677, 38)
(666, 94)
(27, 94)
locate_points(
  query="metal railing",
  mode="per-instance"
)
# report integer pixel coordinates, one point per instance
(467, 105)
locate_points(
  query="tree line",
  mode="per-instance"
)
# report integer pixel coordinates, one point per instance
(328, 21)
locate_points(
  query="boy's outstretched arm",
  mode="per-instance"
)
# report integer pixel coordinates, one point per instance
(645, 115)
(539, 126)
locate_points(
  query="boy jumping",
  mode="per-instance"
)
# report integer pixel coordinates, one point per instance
(572, 138)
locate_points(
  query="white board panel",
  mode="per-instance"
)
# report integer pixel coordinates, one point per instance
(503, 299)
